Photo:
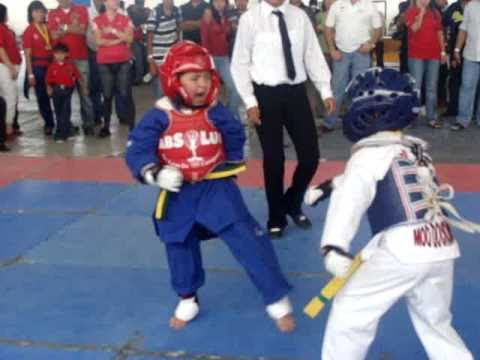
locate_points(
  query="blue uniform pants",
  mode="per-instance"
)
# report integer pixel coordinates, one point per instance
(249, 245)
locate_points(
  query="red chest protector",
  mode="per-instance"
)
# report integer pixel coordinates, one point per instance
(192, 144)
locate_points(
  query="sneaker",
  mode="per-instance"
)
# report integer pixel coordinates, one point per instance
(435, 124)
(301, 220)
(104, 132)
(275, 232)
(325, 129)
(457, 127)
(4, 148)
(59, 140)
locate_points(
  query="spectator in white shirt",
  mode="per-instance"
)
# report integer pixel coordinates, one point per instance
(353, 27)
(469, 36)
(275, 50)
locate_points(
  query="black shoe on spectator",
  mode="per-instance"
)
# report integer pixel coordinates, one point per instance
(4, 148)
(104, 132)
(325, 129)
(457, 127)
(48, 131)
(88, 132)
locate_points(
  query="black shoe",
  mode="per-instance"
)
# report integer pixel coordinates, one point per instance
(276, 232)
(88, 132)
(325, 129)
(301, 220)
(4, 148)
(457, 127)
(104, 132)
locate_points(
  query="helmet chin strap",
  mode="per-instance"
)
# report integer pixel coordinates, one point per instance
(180, 102)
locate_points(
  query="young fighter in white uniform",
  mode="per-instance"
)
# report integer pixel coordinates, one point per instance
(391, 178)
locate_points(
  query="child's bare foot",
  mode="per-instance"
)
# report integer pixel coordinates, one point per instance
(177, 324)
(186, 310)
(286, 323)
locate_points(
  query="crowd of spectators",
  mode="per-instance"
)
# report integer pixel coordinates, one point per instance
(113, 49)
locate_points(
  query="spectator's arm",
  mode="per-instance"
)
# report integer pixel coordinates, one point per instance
(204, 29)
(461, 37)
(190, 25)
(330, 37)
(418, 22)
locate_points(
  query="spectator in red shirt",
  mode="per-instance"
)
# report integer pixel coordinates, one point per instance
(68, 24)
(113, 35)
(38, 55)
(62, 77)
(216, 33)
(10, 60)
(426, 49)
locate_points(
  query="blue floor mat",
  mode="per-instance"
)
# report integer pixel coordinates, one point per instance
(21, 232)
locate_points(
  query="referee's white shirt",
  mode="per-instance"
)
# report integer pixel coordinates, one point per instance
(258, 54)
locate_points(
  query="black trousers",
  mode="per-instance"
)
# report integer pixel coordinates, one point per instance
(62, 103)
(286, 106)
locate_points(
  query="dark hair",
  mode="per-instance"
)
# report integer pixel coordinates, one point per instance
(432, 6)
(60, 47)
(3, 14)
(35, 5)
(216, 15)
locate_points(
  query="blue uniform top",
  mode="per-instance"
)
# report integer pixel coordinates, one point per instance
(198, 202)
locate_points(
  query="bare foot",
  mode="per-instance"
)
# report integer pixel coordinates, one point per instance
(286, 323)
(177, 324)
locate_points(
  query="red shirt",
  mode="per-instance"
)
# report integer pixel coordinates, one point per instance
(116, 53)
(9, 44)
(38, 42)
(215, 37)
(62, 74)
(425, 43)
(77, 44)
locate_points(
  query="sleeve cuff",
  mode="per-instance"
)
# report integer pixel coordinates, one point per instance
(250, 102)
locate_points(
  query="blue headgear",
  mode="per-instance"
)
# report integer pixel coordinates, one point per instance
(379, 100)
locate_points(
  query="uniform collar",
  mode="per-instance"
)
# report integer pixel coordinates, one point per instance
(268, 9)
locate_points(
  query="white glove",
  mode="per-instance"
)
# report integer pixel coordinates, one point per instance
(168, 177)
(312, 195)
(337, 264)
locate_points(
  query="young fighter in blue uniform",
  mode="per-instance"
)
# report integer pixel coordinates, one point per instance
(390, 177)
(191, 146)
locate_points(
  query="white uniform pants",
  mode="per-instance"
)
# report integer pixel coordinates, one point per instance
(374, 288)
(9, 91)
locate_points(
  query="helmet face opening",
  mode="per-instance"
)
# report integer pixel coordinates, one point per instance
(184, 57)
(379, 100)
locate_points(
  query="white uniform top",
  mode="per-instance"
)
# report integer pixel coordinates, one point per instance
(413, 239)
(353, 23)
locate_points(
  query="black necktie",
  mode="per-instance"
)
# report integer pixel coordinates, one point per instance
(286, 45)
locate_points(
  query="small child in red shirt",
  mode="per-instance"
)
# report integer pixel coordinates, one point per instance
(61, 80)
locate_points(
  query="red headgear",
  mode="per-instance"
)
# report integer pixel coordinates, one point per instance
(186, 56)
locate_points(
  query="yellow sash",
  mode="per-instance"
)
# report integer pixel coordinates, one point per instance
(43, 31)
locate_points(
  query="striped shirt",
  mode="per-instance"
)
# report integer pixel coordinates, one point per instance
(165, 29)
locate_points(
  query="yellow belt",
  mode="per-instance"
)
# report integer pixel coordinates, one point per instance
(224, 172)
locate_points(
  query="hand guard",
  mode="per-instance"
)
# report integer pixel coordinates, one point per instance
(337, 261)
(313, 195)
(168, 177)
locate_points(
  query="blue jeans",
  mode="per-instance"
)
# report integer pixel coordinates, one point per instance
(469, 92)
(222, 63)
(157, 87)
(138, 50)
(116, 81)
(86, 106)
(428, 70)
(344, 70)
(43, 100)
